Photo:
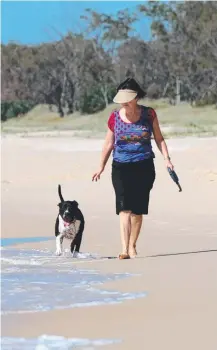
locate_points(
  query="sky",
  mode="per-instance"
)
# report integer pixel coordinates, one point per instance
(35, 22)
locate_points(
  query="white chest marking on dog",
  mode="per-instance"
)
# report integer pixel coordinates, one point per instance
(66, 231)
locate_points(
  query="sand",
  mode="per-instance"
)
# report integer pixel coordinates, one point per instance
(177, 247)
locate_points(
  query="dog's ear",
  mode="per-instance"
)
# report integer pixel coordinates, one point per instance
(74, 203)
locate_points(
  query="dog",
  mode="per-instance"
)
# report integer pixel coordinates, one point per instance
(69, 224)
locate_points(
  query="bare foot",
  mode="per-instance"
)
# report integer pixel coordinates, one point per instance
(132, 252)
(123, 256)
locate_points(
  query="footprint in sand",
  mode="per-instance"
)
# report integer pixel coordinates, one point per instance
(212, 175)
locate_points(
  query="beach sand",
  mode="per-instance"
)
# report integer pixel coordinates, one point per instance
(176, 264)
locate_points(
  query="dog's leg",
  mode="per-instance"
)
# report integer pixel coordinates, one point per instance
(57, 226)
(59, 238)
(59, 242)
(76, 243)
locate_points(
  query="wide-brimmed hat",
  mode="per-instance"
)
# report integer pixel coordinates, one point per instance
(124, 96)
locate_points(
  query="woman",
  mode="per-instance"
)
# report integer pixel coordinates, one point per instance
(133, 172)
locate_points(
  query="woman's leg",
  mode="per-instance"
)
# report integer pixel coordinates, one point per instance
(136, 224)
(125, 228)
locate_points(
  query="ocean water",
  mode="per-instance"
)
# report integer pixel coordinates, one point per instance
(52, 342)
(34, 280)
(4, 242)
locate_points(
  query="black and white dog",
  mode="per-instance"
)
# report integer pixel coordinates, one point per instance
(69, 224)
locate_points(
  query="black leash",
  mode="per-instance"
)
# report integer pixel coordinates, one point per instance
(174, 178)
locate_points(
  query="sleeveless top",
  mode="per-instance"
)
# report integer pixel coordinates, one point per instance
(132, 140)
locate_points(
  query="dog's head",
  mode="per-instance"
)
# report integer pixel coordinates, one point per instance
(67, 210)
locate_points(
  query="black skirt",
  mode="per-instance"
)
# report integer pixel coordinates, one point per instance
(132, 183)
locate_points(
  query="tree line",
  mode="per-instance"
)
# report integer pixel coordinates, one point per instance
(79, 72)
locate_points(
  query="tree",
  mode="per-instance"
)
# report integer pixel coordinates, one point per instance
(185, 35)
(106, 33)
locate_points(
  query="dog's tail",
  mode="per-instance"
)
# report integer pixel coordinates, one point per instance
(60, 193)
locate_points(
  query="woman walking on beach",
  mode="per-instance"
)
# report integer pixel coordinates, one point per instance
(133, 172)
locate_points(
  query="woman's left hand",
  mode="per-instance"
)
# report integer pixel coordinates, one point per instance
(169, 164)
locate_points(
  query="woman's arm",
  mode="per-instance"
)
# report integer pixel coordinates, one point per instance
(160, 142)
(106, 151)
(107, 148)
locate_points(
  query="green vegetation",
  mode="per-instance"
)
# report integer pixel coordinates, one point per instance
(13, 109)
(174, 120)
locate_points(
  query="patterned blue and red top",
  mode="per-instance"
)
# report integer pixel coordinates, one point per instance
(132, 140)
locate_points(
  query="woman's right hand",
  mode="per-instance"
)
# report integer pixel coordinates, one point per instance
(96, 176)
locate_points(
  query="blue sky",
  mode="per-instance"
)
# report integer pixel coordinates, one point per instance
(34, 22)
